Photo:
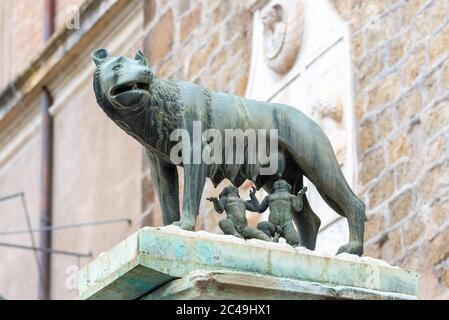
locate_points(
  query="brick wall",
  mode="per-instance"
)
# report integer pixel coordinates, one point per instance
(207, 42)
(401, 65)
(20, 37)
(21, 33)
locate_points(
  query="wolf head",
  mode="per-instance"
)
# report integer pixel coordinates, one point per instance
(125, 83)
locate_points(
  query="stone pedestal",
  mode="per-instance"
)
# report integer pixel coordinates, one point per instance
(170, 263)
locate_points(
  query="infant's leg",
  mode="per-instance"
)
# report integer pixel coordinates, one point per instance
(291, 235)
(228, 227)
(267, 227)
(252, 233)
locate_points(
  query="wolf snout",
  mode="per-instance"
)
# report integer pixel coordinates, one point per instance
(145, 73)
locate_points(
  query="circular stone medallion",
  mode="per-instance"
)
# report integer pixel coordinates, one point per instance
(282, 35)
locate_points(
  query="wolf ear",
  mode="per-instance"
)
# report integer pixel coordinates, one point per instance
(141, 57)
(100, 56)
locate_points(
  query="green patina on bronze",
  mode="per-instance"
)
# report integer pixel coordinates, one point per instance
(149, 108)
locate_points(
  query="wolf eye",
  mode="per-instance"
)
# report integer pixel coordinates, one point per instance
(117, 67)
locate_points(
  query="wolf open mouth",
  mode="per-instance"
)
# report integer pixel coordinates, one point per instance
(129, 86)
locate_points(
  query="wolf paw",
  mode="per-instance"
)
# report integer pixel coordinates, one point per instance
(352, 247)
(186, 224)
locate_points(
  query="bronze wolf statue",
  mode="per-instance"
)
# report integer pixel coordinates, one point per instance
(149, 109)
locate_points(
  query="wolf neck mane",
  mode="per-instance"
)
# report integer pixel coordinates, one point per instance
(165, 107)
(162, 113)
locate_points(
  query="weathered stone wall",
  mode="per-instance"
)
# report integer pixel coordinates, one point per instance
(401, 70)
(96, 178)
(96, 166)
(24, 22)
(20, 174)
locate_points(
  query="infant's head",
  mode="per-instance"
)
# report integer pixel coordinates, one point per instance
(282, 185)
(230, 190)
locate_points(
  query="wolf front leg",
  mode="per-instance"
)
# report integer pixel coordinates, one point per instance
(194, 180)
(164, 176)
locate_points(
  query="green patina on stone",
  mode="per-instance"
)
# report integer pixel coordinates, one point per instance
(152, 257)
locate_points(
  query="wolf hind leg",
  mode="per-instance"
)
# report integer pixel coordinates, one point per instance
(354, 212)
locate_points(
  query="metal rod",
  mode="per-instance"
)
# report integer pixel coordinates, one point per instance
(28, 221)
(33, 241)
(11, 196)
(47, 250)
(67, 226)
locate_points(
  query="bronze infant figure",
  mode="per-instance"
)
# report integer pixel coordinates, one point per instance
(236, 223)
(282, 206)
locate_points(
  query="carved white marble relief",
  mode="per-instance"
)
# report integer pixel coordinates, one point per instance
(282, 34)
(301, 57)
